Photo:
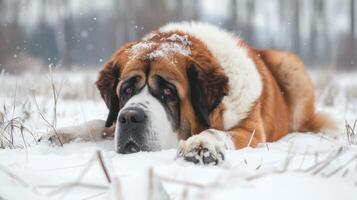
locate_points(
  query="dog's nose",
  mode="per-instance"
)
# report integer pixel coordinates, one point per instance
(132, 116)
(132, 123)
(130, 147)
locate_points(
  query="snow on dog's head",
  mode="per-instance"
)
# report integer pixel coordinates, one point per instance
(161, 89)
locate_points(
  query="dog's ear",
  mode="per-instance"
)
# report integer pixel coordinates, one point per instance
(107, 84)
(208, 86)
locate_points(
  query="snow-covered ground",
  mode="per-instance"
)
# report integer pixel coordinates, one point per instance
(298, 166)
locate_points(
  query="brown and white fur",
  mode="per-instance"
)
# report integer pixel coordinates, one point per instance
(230, 94)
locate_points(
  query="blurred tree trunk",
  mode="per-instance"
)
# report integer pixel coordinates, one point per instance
(315, 27)
(353, 33)
(129, 26)
(296, 26)
(180, 15)
(9, 33)
(234, 15)
(60, 32)
(2, 39)
(118, 18)
(352, 18)
(196, 9)
(347, 43)
(250, 5)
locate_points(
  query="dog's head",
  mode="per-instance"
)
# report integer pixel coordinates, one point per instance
(161, 89)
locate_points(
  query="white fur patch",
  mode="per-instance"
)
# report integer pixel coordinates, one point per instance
(221, 136)
(161, 134)
(244, 79)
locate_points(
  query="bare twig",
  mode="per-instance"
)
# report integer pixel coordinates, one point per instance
(287, 160)
(104, 168)
(47, 122)
(55, 94)
(266, 144)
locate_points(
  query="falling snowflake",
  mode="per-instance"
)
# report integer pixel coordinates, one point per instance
(84, 34)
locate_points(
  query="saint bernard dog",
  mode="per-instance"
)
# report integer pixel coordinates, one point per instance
(204, 90)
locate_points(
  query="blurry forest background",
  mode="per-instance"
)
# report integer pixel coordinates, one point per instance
(84, 33)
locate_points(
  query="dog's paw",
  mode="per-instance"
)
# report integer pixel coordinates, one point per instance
(56, 139)
(203, 148)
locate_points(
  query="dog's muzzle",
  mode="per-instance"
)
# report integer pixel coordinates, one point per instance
(132, 124)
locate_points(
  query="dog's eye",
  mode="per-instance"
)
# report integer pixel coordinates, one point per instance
(128, 90)
(167, 91)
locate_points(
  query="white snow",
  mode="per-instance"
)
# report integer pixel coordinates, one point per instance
(136, 48)
(298, 166)
(178, 38)
(172, 44)
(166, 49)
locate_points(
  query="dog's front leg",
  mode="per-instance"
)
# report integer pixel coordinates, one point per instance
(93, 130)
(208, 147)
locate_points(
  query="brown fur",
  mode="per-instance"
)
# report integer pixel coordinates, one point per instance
(295, 83)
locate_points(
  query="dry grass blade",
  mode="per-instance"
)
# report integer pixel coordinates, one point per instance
(46, 121)
(2, 119)
(326, 162)
(55, 94)
(319, 163)
(341, 167)
(11, 127)
(251, 138)
(350, 132)
(18, 179)
(80, 177)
